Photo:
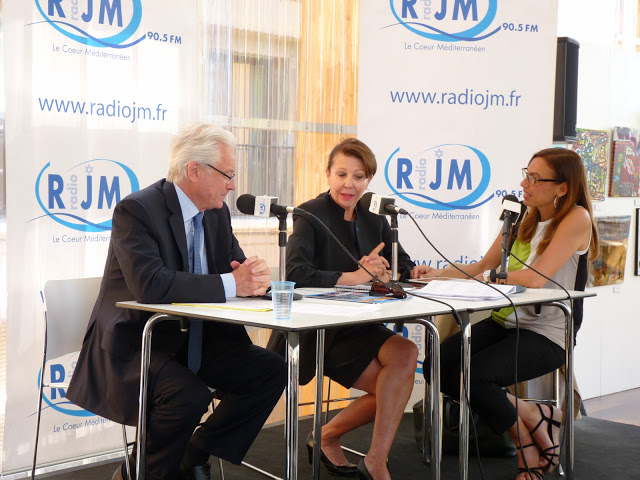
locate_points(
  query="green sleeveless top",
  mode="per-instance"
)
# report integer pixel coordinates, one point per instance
(550, 322)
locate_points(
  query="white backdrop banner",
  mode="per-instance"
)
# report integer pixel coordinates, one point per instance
(454, 98)
(94, 92)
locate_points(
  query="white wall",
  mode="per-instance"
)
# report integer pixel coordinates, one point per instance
(606, 359)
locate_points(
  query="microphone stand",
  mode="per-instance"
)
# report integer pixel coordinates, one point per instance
(394, 247)
(282, 244)
(399, 326)
(501, 277)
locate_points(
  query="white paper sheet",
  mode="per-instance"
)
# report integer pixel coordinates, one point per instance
(465, 290)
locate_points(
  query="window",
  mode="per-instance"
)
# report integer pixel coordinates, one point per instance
(259, 106)
(282, 74)
(628, 25)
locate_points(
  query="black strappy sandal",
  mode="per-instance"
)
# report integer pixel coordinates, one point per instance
(537, 472)
(550, 454)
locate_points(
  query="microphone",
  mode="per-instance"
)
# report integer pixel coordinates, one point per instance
(381, 205)
(510, 206)
(384, 206)
(512, 209)
(263, 206)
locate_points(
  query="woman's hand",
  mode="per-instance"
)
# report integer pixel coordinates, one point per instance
(425, 271)
(376, 264)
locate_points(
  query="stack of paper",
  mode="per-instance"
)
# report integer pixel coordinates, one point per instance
(465, 290)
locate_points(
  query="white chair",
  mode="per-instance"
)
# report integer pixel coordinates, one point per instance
(68, 307)
(69, 304)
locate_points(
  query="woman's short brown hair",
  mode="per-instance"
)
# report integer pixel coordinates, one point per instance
(353, 147)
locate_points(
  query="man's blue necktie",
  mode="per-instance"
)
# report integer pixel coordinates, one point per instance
(194, 356)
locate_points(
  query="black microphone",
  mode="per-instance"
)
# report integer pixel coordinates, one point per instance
(381, 205)
(262, 206)
(511, 211)
(510, 206)
(265, 206)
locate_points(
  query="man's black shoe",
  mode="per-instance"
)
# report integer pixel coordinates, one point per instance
(199, 472)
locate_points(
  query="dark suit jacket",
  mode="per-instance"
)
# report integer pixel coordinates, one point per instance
(315, 260)
(147, 261)
(313, 257)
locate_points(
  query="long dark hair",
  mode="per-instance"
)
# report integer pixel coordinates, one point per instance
(568, 168)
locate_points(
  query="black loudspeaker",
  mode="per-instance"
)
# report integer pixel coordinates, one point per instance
(566, 95)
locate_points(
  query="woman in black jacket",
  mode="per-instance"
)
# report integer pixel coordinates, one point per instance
(371, 358)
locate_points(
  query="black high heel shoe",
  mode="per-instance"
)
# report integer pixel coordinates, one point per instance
(349, 470)
(363, 473)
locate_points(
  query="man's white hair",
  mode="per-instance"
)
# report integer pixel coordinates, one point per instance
(198, 142)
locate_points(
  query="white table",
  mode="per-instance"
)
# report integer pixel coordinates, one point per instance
(412, 311)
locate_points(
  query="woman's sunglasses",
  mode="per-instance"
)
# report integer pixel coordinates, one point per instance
(379, 288)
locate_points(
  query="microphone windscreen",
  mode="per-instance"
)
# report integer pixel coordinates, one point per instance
(510, 197)
(246, 203)
(510, 203)
(365, 201)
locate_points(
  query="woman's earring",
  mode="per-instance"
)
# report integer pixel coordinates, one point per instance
(555, 202)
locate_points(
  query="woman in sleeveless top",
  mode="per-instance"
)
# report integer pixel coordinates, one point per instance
(557, 229)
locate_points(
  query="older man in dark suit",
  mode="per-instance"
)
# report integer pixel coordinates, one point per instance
(173, 242)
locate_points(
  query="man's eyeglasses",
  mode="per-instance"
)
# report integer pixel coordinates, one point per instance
(229, 177)
(532, 180)
(379, 288)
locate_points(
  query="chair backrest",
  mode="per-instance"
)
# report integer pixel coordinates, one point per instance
(581, 282)
(68, 307)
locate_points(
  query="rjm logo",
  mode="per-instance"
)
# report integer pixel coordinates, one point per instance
(447, 20)
(111, 23)
(79, 194)
(56, 397)
(445, 177)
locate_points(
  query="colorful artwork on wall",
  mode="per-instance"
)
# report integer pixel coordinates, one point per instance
(625, 164)
(594, 147)
(608, 268)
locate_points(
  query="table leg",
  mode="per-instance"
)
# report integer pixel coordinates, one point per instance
(317, 415)
(568, 423)
(463, 457)
(145, 359)
(291, 408)
(432, 398)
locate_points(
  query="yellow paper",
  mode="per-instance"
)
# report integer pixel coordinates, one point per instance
(228, 306)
